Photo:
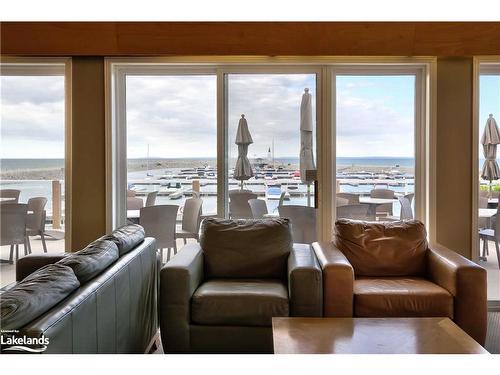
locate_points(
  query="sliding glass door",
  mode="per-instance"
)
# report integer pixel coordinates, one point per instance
(171, 141)
(316, 137)
(279, 110)
(488, 253)
(375, 143)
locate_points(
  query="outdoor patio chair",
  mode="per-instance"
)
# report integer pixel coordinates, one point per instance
(13, 227)
(351, 197)
(35, 222)
(406, 212)
(483, 193)
(303, 222)
(191, 215)
(239, 208)
(354, 212)
(383, 209)
(10, 193)
(410, 197)
(159, 222)
(339, 201)
(482, 203)
(282, 198)
(258, 207)
(491, 235)
(134, 203)
(151, 198)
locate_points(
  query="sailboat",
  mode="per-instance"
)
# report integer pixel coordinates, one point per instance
(147, 165)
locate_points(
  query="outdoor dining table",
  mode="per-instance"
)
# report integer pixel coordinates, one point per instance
(136, 214)
(487, 213)
(7, 199)
(133, 214)
(271, 214)
(373, 203)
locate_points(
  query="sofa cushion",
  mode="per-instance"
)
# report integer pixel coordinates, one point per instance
(383, 248)
(36, 294)
(91, 261)
(126, 237)
(401, 297)
(244, 302)
(246, 248)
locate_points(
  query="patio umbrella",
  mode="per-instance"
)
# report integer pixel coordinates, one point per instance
(490, 140)
(306, 141)
(243, 169)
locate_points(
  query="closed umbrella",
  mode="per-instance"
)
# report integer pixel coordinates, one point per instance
(490, 140)
(306, 141)
(243, 170)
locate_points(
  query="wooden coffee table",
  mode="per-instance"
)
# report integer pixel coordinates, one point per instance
(371, 336)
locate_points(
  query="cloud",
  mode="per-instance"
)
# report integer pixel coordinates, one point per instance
(32, 117)
(176, 115)
(32, 89)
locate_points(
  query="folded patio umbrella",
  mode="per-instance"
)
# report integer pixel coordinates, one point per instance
(243, 170)
(490, 140)
(306, 140)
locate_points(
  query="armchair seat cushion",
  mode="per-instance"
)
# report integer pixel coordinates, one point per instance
(242, 302)
(401, 297)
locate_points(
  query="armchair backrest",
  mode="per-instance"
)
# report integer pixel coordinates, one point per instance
(239, 208)
(383, 249)
(246, 248)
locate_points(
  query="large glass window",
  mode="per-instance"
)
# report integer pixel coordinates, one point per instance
(32, 153)
(489, 178)
(375, 146)
(257, 141)
(171, 141)
(275, 109)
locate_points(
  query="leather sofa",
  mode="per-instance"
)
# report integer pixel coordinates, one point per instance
(219, 296)
(386, 269)
(102, 299)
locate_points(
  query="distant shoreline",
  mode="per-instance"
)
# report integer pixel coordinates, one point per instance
(52, 169)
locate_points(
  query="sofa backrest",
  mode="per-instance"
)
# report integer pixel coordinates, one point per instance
(246, 248)
(115, 312)
(383, 248)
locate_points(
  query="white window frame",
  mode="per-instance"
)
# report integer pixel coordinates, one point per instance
(40, 66)
(481, 65)
(421, 120)
(325, 69)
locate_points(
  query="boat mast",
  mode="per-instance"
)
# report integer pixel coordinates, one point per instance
(147, 163)
(274, 167)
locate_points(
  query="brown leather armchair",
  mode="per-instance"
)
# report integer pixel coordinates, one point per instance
(220, 295)
(386, 269)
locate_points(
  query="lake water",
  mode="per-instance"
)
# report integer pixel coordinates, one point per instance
(37, 188)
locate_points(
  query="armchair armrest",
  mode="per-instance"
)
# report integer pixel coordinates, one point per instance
(466, 281)
(338, 280)
(179, 278)
(305, 284)
(27, 265)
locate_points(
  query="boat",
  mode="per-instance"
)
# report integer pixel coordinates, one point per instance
(171, 186)
(178, 194)
(273, 192)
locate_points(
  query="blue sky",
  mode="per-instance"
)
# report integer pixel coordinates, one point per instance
(176, 115)
(489, 87)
